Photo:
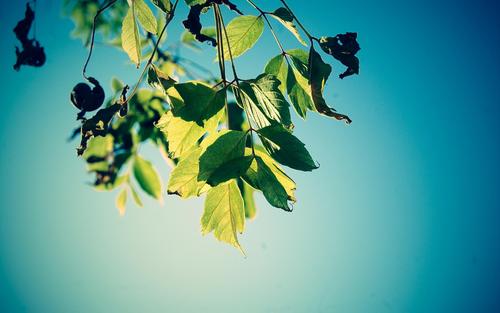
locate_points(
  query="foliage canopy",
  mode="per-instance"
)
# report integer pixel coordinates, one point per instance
(224, 136)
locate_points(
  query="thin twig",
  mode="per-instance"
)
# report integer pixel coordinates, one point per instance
(102, 9)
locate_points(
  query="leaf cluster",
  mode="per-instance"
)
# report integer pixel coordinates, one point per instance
(225, 136)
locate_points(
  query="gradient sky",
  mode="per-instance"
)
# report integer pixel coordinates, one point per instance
(402, 216)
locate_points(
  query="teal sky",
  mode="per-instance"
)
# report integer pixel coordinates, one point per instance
(402, 216)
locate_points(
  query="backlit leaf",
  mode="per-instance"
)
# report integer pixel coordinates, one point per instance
(147, 177)
(224, 213)
(242, 32)
(121, 201)
(164, 5)
(286, 18)
(145, 16)
(130, 36)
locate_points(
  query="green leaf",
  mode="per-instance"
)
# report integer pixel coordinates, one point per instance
(116, 85)
(158, 79)
(299, 96)
(281, 176)
(135, 196)
(242, 32)
(181, 135)
(277, 66)
(228, 146)
(130, 37)
(164, 5)
(319, 73)
(121, 201)
(184, 178)
(189, 39)
(286, 148)
(196, 101)
(147, 177)
(224, 213)
(260, 176)
(229, 170)
(194, 2)
(145, 16)
(284, 16)
(248, 199)
(264, 101)
(99, 147)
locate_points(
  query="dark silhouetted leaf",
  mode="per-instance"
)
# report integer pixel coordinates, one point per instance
(343, 47)
(319, 72)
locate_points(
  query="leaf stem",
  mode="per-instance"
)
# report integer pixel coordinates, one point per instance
(169, 17)
(311, 38)
(102, 9)
(221, 23)
(264, 14)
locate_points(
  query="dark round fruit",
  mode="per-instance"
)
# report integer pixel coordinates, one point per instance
(80, 95)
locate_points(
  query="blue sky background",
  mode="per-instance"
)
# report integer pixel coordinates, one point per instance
(402, 216)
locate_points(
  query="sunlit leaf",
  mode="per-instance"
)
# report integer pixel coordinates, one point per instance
(145, 16)
(135, 196)
(247, 192)
(121, 201)
(286, 18)
(264, 101)
(224, 213)
(158, 79)
(242, 32)
(147, 177)
(164, 5)
(130, 36)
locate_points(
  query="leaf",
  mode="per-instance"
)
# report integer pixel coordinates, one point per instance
(284, 16)
(278, 67)
(248, 199)
(99, 147)
(229, 170)
(242, 34)
(198, 101)
(130, 37)
(135, 196)
(158, 79)
(224, 213)
(189, 39)
(145, 16)
(343, 47)
(164, 5)
(147, 177)
(182, 135)
(286, 148)
(319, 72)
(260, 176)
(228, 146)
(195, 2)
(121, 201)
(264, 101)
(281, 176)
(184, 178)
